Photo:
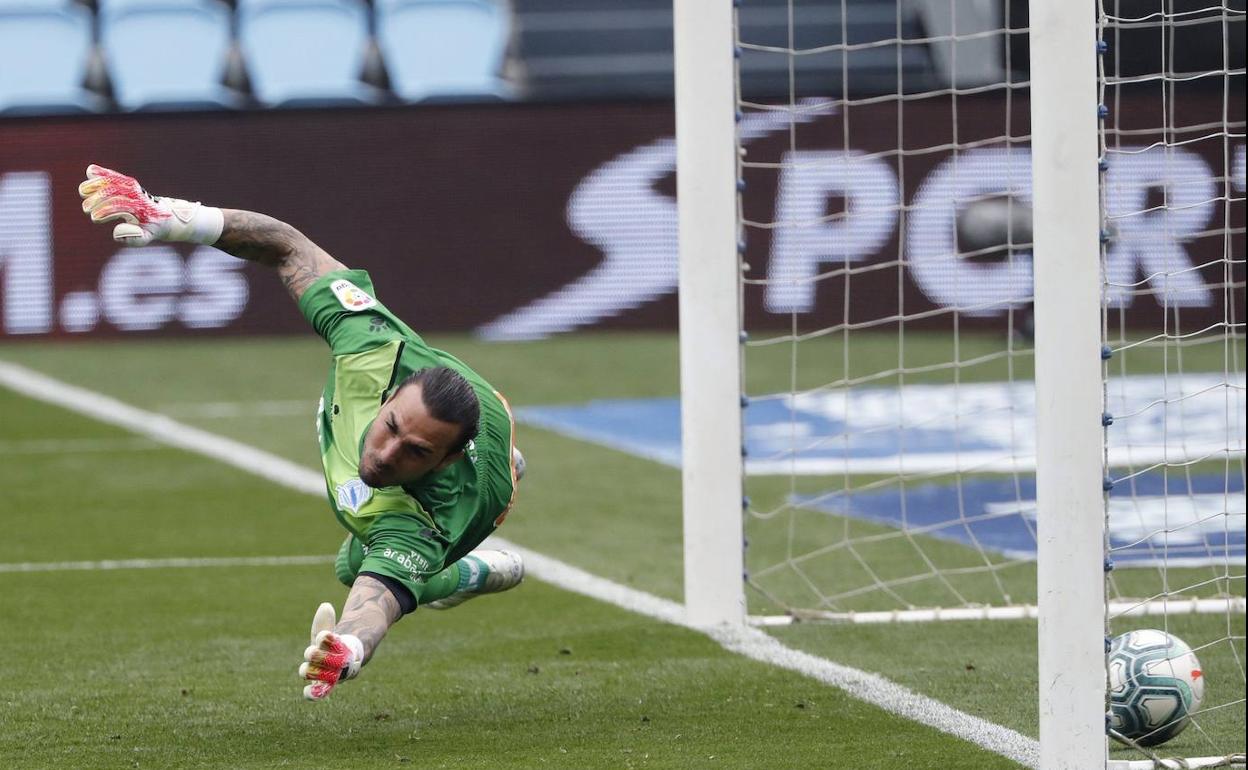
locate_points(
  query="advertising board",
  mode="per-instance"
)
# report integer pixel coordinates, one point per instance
(525, 220)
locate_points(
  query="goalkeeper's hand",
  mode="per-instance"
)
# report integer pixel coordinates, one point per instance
(110, 196)
(331, 658)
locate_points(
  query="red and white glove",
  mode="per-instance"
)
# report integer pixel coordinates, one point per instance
(332, 658)
(109, 196)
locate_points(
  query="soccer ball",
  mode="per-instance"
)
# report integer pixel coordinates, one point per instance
(1155, 684)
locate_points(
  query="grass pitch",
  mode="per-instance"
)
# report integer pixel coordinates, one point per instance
(195, 667)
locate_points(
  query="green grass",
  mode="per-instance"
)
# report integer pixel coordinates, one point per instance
(110, 654)
(987, 668)
(195, 667)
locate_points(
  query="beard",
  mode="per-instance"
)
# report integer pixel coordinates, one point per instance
(374, 474)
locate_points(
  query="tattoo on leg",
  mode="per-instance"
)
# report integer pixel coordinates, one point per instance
(370, 611)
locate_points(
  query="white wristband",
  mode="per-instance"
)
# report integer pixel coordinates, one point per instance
(194, 222)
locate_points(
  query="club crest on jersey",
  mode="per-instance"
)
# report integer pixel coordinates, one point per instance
(350, 296)
(353, 494)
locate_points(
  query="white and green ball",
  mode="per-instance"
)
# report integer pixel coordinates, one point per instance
(1155, 684)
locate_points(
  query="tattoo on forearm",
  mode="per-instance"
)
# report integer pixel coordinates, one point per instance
(257, 237)
(370, 611)
(297, 276)
(261, 238)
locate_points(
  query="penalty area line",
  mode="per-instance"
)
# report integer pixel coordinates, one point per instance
(748, 642)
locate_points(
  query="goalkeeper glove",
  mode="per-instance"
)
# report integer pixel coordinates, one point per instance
(109, 196)
(331, 658)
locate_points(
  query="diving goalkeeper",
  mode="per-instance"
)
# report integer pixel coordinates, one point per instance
(418, 450)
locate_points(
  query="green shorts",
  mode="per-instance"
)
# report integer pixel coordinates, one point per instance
(400, 547)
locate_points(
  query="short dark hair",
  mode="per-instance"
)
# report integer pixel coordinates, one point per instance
(450, 398)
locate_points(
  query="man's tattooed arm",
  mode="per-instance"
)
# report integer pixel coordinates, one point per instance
(369, 612)
(261, 238)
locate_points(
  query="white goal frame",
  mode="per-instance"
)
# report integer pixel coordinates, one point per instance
(1070, 555)
(1071, 562)
(710, 353)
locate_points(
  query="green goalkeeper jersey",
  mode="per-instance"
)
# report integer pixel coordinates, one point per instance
(453, 509)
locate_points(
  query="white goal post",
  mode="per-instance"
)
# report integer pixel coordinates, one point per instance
(1070, 547)
(710, 357)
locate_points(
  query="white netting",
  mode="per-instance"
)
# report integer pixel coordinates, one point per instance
(886, 300)
(886, 227)
(886, 297)
(1173, 237)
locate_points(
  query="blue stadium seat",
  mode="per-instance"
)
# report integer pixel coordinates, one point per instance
(438, 48)
(31, 5)
(167, 52)
(305, 51)
(43, 59)
(112, 6)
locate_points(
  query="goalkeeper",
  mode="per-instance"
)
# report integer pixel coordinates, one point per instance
(418, 451)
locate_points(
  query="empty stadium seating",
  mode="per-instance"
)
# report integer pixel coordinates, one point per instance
(171, 53)
(45, 48)
(166, 52)
(305, 51)
(443, 48)
(112, 6)
(30, 5)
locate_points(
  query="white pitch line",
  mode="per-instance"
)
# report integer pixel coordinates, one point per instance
(54, 446)
(749, 642)
(757, 645)
(218, 409)
(160, 428)
(884, 693)
(171, 563)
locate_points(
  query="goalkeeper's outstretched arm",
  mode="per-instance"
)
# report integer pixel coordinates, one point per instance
(109, 196)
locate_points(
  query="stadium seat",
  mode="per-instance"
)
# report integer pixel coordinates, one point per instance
(30, 5)
(167, 52)
(443, 48)
(305, 51)
(44, 52)
(113, 6)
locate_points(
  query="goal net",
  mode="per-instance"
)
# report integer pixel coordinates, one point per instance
(1172, 192)
(886, 303)
(886, 306)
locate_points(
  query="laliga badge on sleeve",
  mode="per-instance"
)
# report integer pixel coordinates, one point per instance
(350, 296)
